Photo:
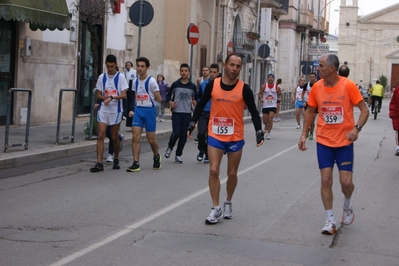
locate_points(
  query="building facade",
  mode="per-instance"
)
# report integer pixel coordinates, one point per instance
(369, 44)
(67, 50)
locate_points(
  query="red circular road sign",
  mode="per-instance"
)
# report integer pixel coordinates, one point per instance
(192, 34)
(230, 48)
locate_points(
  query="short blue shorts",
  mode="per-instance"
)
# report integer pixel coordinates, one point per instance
(343, 156)
(145, 116)
(232, 146)
(298, 104)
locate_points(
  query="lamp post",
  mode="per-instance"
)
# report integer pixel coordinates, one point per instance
(321, 10)
(318, 20)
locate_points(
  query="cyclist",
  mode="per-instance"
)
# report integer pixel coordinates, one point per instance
(377, 93)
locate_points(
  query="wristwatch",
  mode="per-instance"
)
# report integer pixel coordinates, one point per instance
(112, 97)
(358, 127)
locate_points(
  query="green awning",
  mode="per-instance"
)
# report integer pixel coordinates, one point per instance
(40, 14)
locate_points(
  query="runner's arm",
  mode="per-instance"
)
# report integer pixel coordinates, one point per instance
(199, 108)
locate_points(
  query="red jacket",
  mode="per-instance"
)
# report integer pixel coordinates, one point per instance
(394, 105)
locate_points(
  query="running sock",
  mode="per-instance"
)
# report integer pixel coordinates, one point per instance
(330, 215)
(347, 202)
(397, 147)
(216, 207)
(227, 201)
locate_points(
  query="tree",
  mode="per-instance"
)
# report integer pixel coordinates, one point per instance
(383, 81)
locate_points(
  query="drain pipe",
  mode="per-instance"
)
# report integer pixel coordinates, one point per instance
(254, 68)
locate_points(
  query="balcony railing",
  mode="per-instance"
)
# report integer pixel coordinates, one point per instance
(242, 41)
(277, 4)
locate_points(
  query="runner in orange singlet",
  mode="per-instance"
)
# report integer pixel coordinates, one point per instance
(335, 98)
(226, 130)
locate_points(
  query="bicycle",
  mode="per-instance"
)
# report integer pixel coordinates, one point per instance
(376, 109)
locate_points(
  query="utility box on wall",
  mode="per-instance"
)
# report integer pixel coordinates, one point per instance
(23, 115)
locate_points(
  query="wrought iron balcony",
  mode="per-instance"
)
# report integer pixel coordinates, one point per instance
(280, 7)
(244, 40)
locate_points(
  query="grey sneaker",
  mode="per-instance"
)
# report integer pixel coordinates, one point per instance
(178, 159)
(348, 216)
(168, 152)
(214, 216)
(227, 210)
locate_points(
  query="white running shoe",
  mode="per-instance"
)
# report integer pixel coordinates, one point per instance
(214, 216)
(397, 152)
(110, 158)
(329, 228)
(168, 152)
(348, 216)
(227, 210)
(178, 159)
(268, 136)
(298, 126)
(275, 119)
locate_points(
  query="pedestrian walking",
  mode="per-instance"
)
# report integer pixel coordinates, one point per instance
(336, 132)
(268, 96)
(145, 114)
(297, 99)
(182, 95)
(111, 90)
(204, 119)
(163, 90)
(394, 115)
(230, 96)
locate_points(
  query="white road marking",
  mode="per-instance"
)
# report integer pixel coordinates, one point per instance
(155, 215)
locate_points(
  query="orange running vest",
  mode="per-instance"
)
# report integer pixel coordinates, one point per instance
(335, 106)
(227, 110)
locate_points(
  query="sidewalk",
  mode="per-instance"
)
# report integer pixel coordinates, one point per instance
(42, 147)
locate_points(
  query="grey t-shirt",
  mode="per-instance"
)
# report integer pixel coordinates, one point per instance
(183, 94)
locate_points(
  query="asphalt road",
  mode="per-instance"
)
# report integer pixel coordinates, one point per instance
(61, 214)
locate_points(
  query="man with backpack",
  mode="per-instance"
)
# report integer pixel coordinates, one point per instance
(146, 90)
(111, 90)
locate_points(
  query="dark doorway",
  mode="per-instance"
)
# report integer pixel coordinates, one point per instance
(86, 86)
(395, 75)
(7, 65)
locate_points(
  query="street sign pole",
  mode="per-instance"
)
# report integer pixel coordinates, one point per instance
(140, 26)
(141, 14)
(191, 60)
(192, 37)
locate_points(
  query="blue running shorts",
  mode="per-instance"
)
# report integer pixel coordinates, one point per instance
(298, 104)
(145, 116)
(343, 156)
(231, 146)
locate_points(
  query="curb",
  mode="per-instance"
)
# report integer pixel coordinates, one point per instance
(26, 157)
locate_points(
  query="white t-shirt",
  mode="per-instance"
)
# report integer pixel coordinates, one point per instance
(298, 94)
(115, 106)
(269, 96)
(130, 75)
(144, 99)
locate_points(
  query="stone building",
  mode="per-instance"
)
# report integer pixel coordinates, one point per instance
(52, 47)
(369, 44)
(304, 26)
